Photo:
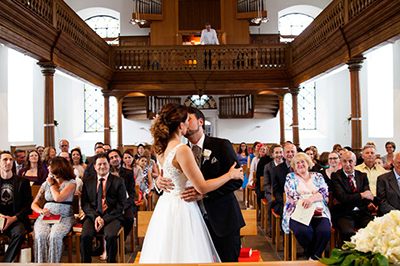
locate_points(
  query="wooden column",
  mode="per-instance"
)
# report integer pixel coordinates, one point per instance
(120, 146)
(355, 65)
(48, 70)
(106, 95)
(296, 138)
(281, 96)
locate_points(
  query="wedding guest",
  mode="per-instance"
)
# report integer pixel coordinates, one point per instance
(333, 161)
(354, 199)
(379, 162)
(19, 161)
(254, 162)
(310, 151)
(117, 170)
(307, 188)
(89, 159)
(40, 150)
(140, 152)
(278, 177)
(58, 190)
(151, 165)
(48, 153)
(388, 158)
(128, 160)
(107, 147)
(90, 168)
(337, 147)
(15, 201)
(264, 159)
(388, 188)
(64, 145)
(103, 201)
(34, 170)
(369, 167)
(253, 154)
(79, 182)
(77, 161)
(243, 154)
(277, 155)
(143, 178)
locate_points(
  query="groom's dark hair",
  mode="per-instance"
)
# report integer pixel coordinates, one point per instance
(199, 114)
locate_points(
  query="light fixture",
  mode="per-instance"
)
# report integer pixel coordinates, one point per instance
(137, 20)
(259, 19)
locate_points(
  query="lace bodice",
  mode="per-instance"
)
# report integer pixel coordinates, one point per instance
(177, 176)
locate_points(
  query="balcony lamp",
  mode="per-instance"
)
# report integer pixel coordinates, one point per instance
(259, 19)
(137, 20)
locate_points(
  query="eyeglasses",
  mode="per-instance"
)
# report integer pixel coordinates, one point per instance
(64, 145)
(333, 158)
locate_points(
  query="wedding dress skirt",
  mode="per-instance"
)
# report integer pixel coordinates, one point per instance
(177, 232)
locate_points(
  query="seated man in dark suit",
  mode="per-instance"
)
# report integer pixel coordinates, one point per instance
(351, 191)
(15, 206)
(103, 201)
(388, 188)
(116, 169)
(278, 177)
(277, 155)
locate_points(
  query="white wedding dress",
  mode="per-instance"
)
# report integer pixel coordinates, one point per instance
(177, 232)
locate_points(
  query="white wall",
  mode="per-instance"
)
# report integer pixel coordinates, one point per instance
(90, 8)
(274, 6)
(4, 98)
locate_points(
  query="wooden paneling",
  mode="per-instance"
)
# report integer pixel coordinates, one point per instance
(165, 32)
(134, 40)
(193, 14)
(237, 31)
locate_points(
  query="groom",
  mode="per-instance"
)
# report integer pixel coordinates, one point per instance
(222, 213)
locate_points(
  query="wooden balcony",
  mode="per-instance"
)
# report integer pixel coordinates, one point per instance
(49, 30)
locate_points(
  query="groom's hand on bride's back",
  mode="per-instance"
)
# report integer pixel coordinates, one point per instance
(164, 183)
(191, 194)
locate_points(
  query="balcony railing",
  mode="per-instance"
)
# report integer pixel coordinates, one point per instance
(178, 58)
(61, 16)
(236, 107)
(338, 13)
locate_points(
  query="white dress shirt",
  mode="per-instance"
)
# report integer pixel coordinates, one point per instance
(209, 37)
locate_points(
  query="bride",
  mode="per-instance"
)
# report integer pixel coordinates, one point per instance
(177, 232)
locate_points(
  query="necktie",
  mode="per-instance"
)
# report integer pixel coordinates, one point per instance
(352, 186)
(100, 196)
(197, 154)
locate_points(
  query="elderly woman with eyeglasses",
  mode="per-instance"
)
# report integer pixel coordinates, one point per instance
(308, 189)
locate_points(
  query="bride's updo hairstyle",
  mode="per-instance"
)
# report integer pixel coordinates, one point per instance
(167, 121)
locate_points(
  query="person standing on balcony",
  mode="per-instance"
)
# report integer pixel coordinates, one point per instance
(209, 35)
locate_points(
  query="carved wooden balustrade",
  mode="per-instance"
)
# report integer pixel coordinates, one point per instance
(336, 15)
(223, 57)
(236, 107)
(61, 16)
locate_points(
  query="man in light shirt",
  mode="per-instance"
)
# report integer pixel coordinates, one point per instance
(370, 167)
(208, 35)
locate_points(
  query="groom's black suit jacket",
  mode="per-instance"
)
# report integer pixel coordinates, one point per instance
(221, 204)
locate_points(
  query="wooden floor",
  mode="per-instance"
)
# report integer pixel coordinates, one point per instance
(261, 242)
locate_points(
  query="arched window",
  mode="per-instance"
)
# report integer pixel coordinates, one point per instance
(94, 110)
(201, 102)
(107, 27)
(307, 108)
(292, 24)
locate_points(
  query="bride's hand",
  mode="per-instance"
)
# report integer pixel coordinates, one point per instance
(190, 194)
(236, 173)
